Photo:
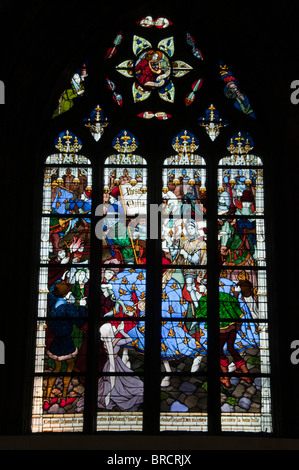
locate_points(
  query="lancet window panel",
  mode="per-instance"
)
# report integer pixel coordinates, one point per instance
(63, 290)
(243, 306)
(184, 281)
(123, 289)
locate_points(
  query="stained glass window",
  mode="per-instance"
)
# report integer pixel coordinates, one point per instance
(153, 265)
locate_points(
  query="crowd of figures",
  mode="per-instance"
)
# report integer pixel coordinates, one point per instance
(123, 290)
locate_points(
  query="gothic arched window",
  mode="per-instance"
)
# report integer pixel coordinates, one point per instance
(152, 300)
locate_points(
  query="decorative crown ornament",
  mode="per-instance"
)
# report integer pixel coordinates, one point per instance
(68, 143)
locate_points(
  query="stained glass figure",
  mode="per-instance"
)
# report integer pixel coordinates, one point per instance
(65, 240)
(182, 337)
(149, 22)
(64, 338)
(153, 69)
(241, 241)
(123, 305)
(123, 227)
(114, 282)
(244, 355)
(123, 287)
(123, 290)
(75, 90)
(231, 90)
(212, 122)
(240, 179)
(161, 115)
(96, 122)
(70, 193)
(190, 97)
(184, 202)
(122, 391)
(117, 97)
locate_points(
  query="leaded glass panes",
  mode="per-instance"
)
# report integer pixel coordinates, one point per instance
(123, 228)
(232, 91)
(153, 68)
(243, 313)
(100, 267)
(122, 328)
(120, 386)
(184, 283)
(74, 90)
(63, 298)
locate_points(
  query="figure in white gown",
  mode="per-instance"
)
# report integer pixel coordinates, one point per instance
(123, 391)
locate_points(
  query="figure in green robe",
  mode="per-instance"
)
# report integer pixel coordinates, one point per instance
(66, 100)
